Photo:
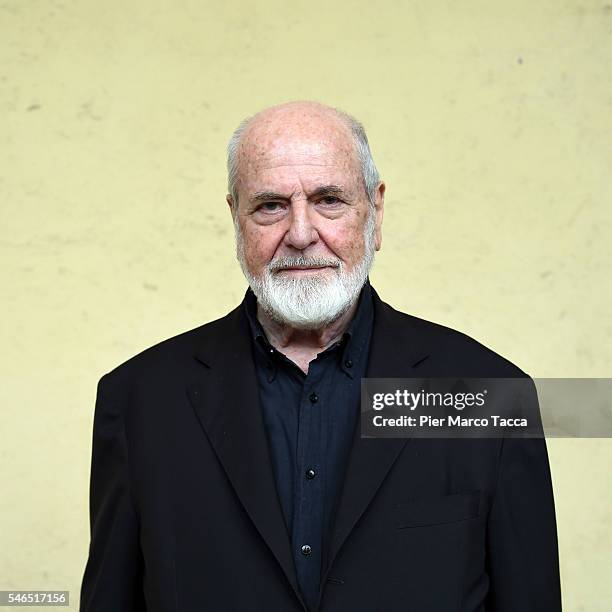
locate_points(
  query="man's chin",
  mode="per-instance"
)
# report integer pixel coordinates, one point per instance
(308, 275)
(300, 305)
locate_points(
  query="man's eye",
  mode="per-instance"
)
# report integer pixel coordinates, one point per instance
(270, 206)
(330, 200)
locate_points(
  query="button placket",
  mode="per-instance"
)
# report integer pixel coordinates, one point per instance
(308, 484)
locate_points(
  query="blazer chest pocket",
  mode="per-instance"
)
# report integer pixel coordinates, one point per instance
(437, 510)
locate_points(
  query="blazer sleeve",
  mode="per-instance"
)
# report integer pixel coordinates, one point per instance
(112, 580)
(522, 549)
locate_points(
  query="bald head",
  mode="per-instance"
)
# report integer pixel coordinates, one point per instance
(300, 130)
(300, 117)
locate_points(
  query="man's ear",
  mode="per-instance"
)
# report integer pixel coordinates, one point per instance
(230, 203)
(379, 205)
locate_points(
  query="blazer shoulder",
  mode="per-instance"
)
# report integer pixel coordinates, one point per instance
(452, 349)
(170, 355)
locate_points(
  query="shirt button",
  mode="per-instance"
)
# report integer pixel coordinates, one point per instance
(314, 398)
(348, 363)
(306, 550)
(310, 474)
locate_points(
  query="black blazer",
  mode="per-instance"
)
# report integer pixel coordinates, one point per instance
(185, 516)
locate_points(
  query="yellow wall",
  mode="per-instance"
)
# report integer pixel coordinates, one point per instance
(490, 121)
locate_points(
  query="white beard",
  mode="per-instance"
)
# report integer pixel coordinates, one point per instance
(315, 300)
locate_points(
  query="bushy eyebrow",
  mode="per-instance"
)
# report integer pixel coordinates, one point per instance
(326, 190)
(323, 190)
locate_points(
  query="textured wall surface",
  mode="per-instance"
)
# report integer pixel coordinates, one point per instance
(490, 121)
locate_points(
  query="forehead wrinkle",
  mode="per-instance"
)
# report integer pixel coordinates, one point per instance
(297, 149)
(255, 165)
(265, 178)
(298, 164)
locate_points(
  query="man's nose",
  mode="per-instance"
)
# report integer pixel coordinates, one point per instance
(301, 232)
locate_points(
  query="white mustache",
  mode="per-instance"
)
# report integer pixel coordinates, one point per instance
(302, 262)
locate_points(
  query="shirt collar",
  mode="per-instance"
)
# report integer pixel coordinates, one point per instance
(353, 340)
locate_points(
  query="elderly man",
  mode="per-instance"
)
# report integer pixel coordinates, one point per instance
(228, 470)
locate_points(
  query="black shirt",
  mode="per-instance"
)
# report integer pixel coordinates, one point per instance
(310, 419)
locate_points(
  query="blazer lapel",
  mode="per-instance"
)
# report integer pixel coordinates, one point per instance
(226, 402)
(393, 353)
